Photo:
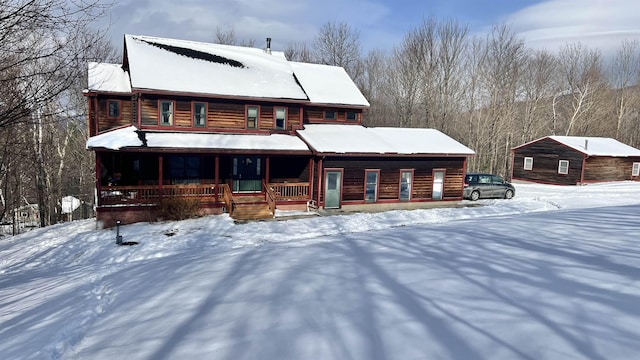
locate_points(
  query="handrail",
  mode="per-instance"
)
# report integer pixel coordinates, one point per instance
(291, 191)
(271, 198)
(227, 196)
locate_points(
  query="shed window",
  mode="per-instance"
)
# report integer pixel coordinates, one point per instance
(252, 117)
(329, 115)
(352, 116)
(166, 112)
(199, 114)
(281, 118)
(563, 167)
(528, 163)
(636, 169)
(114, 109)
(371, 185)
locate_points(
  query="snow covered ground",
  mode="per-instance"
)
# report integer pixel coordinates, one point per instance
(552, 274)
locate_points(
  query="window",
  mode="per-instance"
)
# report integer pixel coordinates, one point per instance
(371, 185)
(329, 115)
(405, 184)
(563, 167)
(528, 163)
(252, 117)
(352, 116)
(184, 169)
(166, 112)
(113, 107)
(636, 169)
(281, 118)
(199, 114)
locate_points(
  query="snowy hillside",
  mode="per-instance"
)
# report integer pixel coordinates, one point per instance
(552, 274)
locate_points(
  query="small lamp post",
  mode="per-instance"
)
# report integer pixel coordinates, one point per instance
(118, 236)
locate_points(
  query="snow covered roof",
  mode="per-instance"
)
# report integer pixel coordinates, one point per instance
(196, 67)
(128, 138)
(597, 146)
(326, 84)
(356, 139)
(108, 78)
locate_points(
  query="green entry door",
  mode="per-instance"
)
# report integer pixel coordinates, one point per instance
(332, 181)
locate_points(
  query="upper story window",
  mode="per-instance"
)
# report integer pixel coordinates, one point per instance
(352, 116)
(252, 117)
(330, 115)
(528, 163)
(199, 114)
(636, 169)
(166, 112)
(113, 107)
(563, 167)
(281, 118)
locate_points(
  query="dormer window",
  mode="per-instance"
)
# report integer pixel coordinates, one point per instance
(252, 117)
(281, 118)
(352, 116)
(330, 115)
(199, 114)
(113, 107)
(166, 112)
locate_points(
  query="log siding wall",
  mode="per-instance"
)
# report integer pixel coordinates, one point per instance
(546, 154)
(389, 181)
(126, 113)
(605, 168)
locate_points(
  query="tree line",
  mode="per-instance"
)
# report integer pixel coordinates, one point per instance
(489, 92)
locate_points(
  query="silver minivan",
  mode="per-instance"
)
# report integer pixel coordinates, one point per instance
(487, 186)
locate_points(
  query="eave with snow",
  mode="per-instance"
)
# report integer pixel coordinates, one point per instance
(570, 160)
(228, 125)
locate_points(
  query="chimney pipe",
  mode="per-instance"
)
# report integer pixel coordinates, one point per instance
(586, 144)
(268, 45)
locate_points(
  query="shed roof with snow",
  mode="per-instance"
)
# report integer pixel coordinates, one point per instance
(592, 146)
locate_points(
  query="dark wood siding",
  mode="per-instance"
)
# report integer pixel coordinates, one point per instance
(126, 115)
(389, 181)
(604, 168)
(316, 115)
(546, 155)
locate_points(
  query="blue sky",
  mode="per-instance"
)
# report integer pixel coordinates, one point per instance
(382, 23)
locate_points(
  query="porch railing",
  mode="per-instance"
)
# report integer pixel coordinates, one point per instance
(111, 195)
(290, 191)
(271, 197)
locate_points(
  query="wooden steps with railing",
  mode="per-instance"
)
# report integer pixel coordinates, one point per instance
(252, 211)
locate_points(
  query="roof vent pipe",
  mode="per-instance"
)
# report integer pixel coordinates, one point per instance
(268, 45)
(586, 144)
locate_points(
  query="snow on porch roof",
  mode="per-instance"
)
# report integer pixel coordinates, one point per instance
(128, 138)
(196, 67)
(356, 139)
(597, 146)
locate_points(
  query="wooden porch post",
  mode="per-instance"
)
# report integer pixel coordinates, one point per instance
(160, 175)
(310, 195)
(217, 177)
(267, 165)
(319, 180)
(98, 184)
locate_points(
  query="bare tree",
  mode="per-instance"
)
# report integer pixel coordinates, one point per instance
(298, 51)
(625, 71)
(338, 44)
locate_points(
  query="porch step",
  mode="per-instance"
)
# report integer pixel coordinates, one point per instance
(251, 211)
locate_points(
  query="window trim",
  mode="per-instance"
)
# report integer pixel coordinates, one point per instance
(530, 167)
(117, 101)
(193, 113)
(560, 162)
(275, 118)
(356, 119)
(335, 115)
(172, 121)
(246, 117)
(635, 169)
(377, 189)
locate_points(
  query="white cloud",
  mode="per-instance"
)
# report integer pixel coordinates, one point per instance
(595, 23)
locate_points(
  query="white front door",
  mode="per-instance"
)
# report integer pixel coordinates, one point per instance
(332, 181)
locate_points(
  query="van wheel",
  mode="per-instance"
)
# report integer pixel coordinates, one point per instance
(475, 195)
(508, 194)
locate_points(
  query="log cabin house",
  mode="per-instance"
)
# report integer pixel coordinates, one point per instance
(573, 160)
(246, 131)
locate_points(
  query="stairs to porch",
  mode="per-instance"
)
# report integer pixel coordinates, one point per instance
(251, 208)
